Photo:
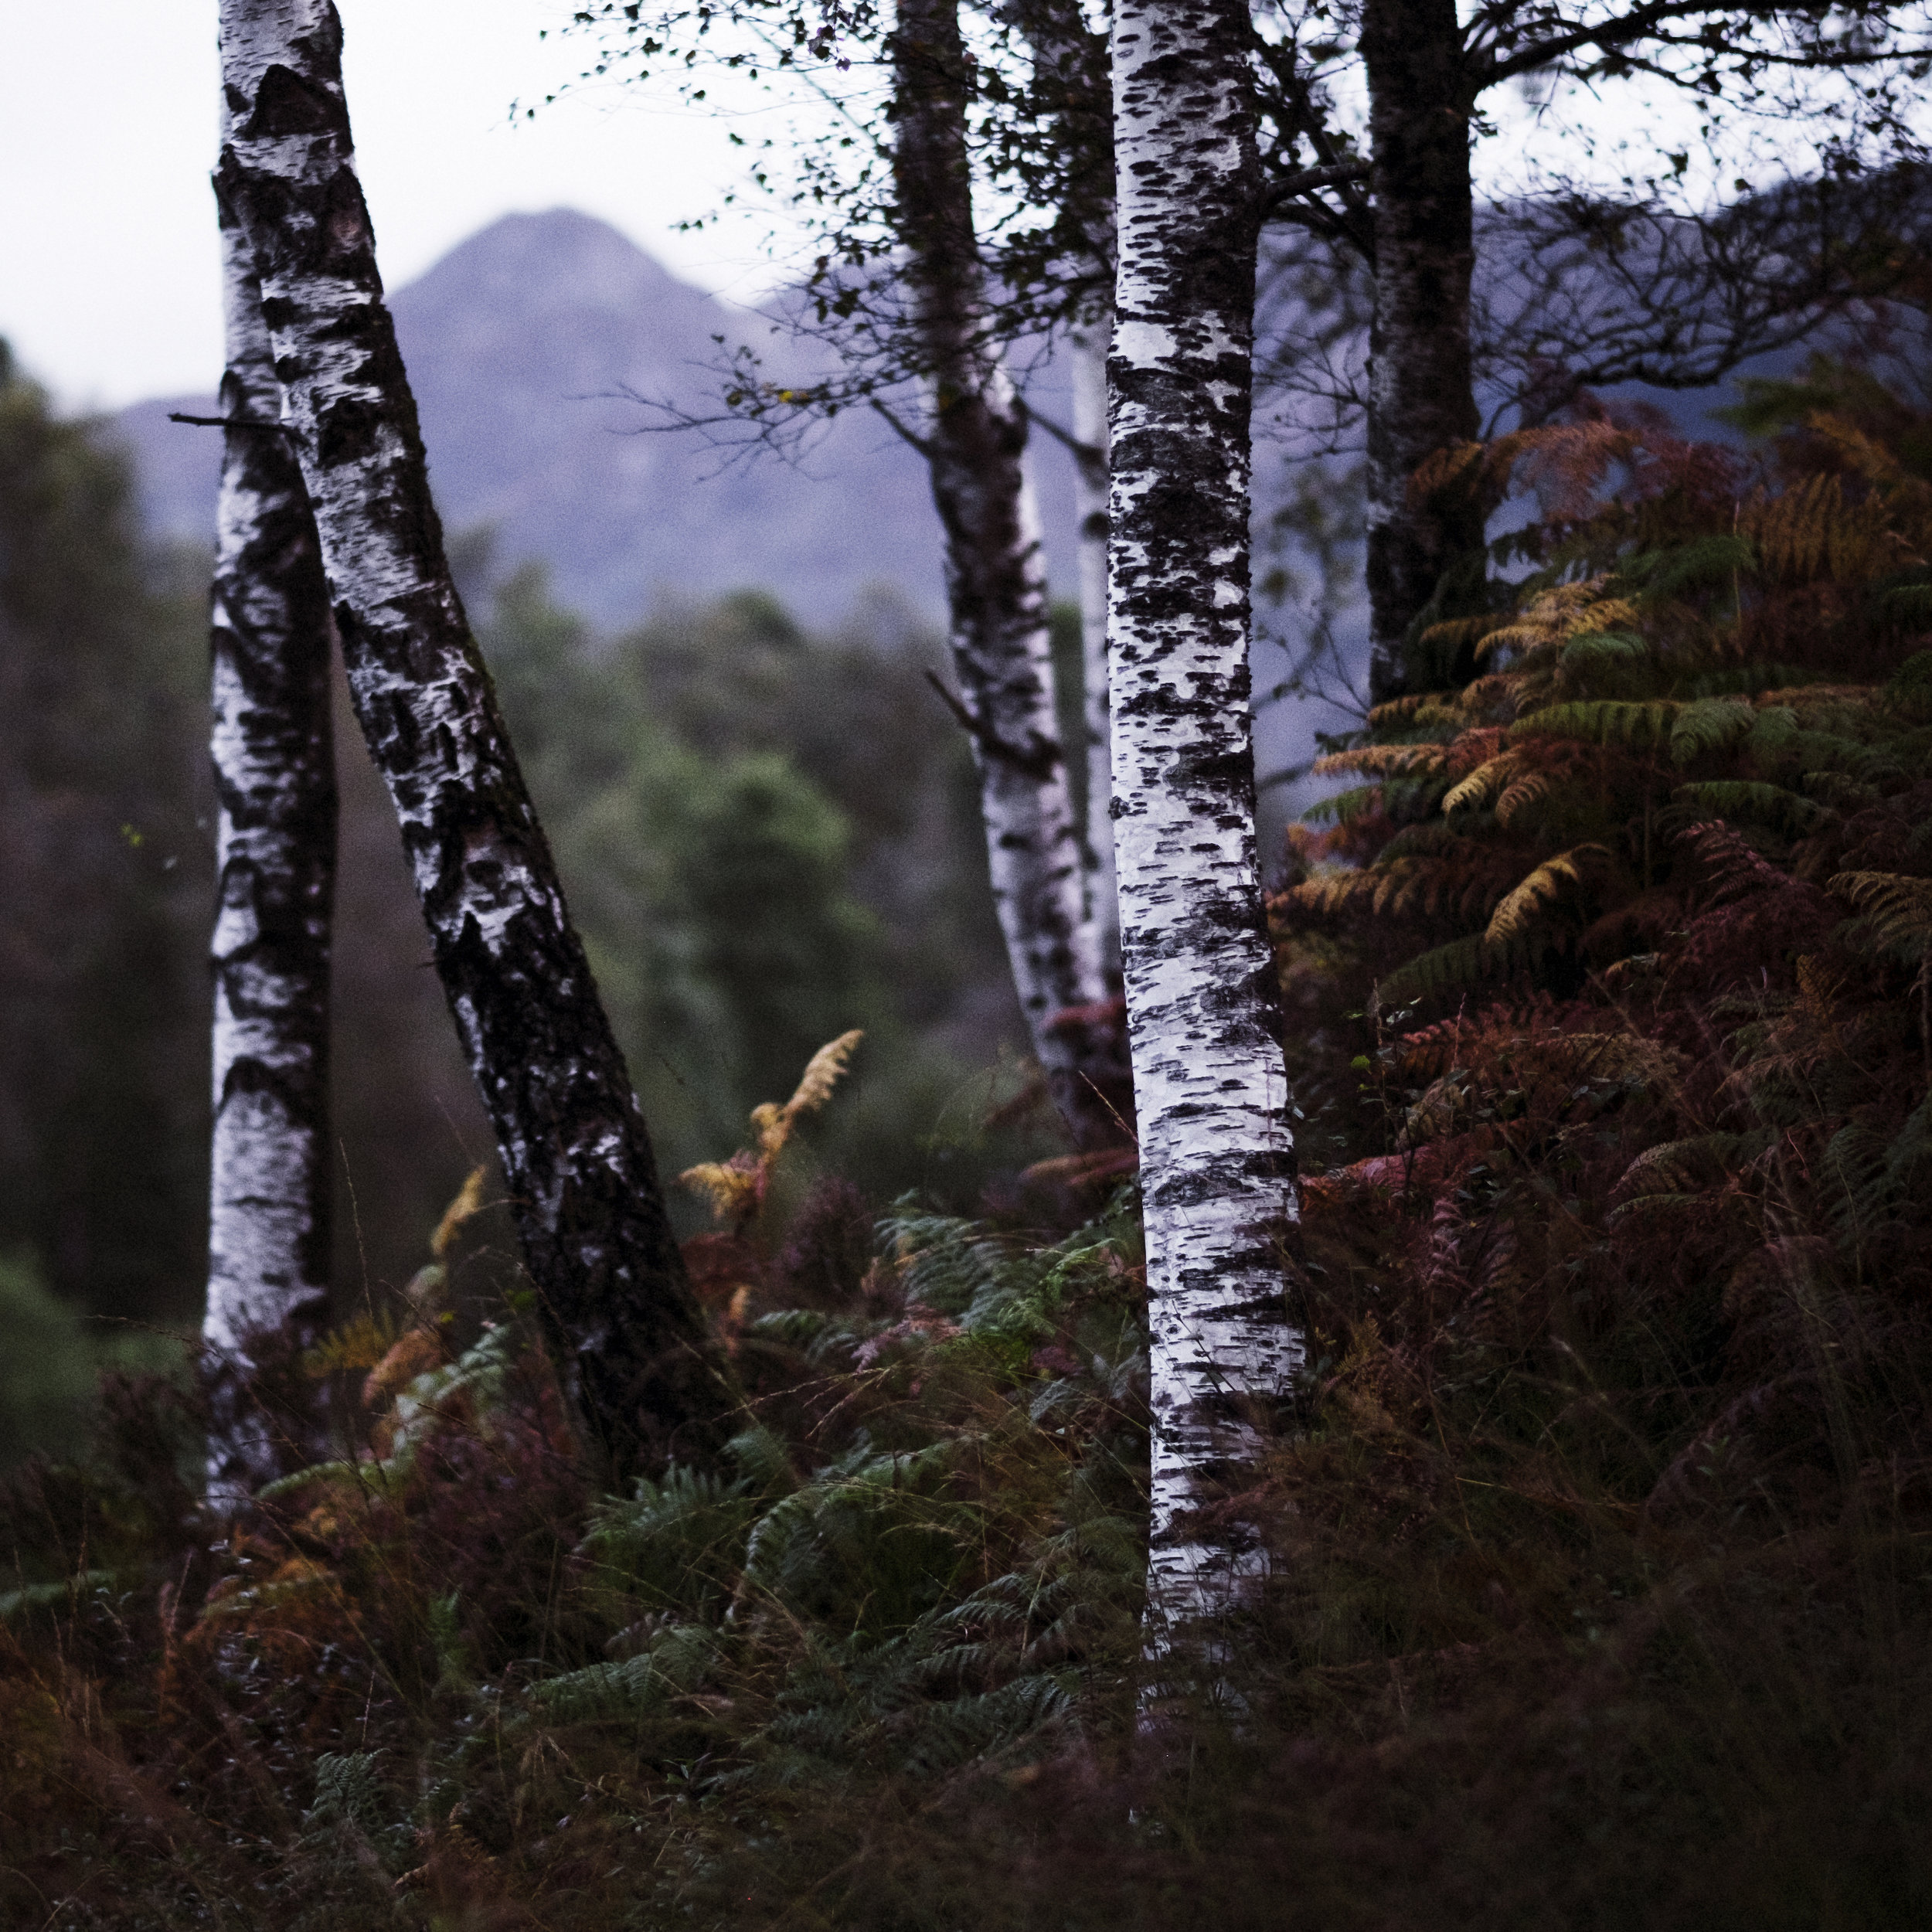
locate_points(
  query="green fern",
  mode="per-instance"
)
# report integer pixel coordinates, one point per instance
(1602, 721)
(679, 1659)
(1661, 576)
(1710, 725)
(1755, 802)
(1896, 910)
(1461, 963)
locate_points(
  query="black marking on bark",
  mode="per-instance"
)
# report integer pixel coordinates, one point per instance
(285, 103)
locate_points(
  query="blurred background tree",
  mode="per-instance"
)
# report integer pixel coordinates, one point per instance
(768, 839)
(105, 871)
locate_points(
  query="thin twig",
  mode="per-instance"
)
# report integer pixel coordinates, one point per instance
(230, 422)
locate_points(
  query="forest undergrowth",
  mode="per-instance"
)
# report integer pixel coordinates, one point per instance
(1600, 1555)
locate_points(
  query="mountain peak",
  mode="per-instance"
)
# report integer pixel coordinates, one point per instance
(527, 345)
(560, 257)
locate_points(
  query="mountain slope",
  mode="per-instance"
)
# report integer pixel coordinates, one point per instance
(520, 343)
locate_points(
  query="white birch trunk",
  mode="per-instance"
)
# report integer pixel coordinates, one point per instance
(1210, 1083)
(633, 1347)
(995, 575)
(274, 757)
(1070, 71)
(1087, 348)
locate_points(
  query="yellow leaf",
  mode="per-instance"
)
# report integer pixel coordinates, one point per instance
(733, 1192)
(823, 1071)
(1518, 908)
(468, 1204)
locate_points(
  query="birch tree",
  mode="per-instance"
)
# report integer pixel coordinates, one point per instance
(1072, 82)
(974, 446)
(274, 763)
(584, 1189)
(1210, 1092)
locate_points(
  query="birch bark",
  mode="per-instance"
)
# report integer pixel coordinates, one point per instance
(1070, 70)
(273, 755)
(1210, 1086)
(995, 576)
(634, 1349)
(1421, 394)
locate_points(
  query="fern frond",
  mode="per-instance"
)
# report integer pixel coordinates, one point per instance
(946, 1735)
(1523, 907)
(1382, 761)
(1907, 498)
(1401, 887)
(468, 1204)
(1788, 529)
(1436, 838)
(1666, 574)
(1710, 725)
(1602, 721)
(1748, 680)
(1565, 462)
(1908, 1161)
(1343, 808)
(1404, 710)
(1460, 466)
(357, 1344)
(1482, 785)
(734, 1192)
(1453, 633)
(1912, 681)
(1331, 893)
(823, 1071)
(1908, 603)
(1896, 907)
(735, 1188)
(1764, 804)
(1592, 654)
(633, 1688)
(1564, 610)
(1459, 963)
(1523, 792)
(1853, 1167)
(1682, 1167)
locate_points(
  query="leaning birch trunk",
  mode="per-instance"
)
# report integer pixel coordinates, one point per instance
(1217, 1161)
(1421, 395)
(649, 1380)
(274, 766)
(995, 577)
(1087, 353)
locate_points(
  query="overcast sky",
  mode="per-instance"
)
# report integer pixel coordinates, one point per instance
(108, 288)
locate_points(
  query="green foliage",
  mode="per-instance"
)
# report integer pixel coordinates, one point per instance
(767, 841)
(47, 1367)
(104, 873)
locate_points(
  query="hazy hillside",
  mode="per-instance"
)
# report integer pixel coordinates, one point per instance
(517, 342)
